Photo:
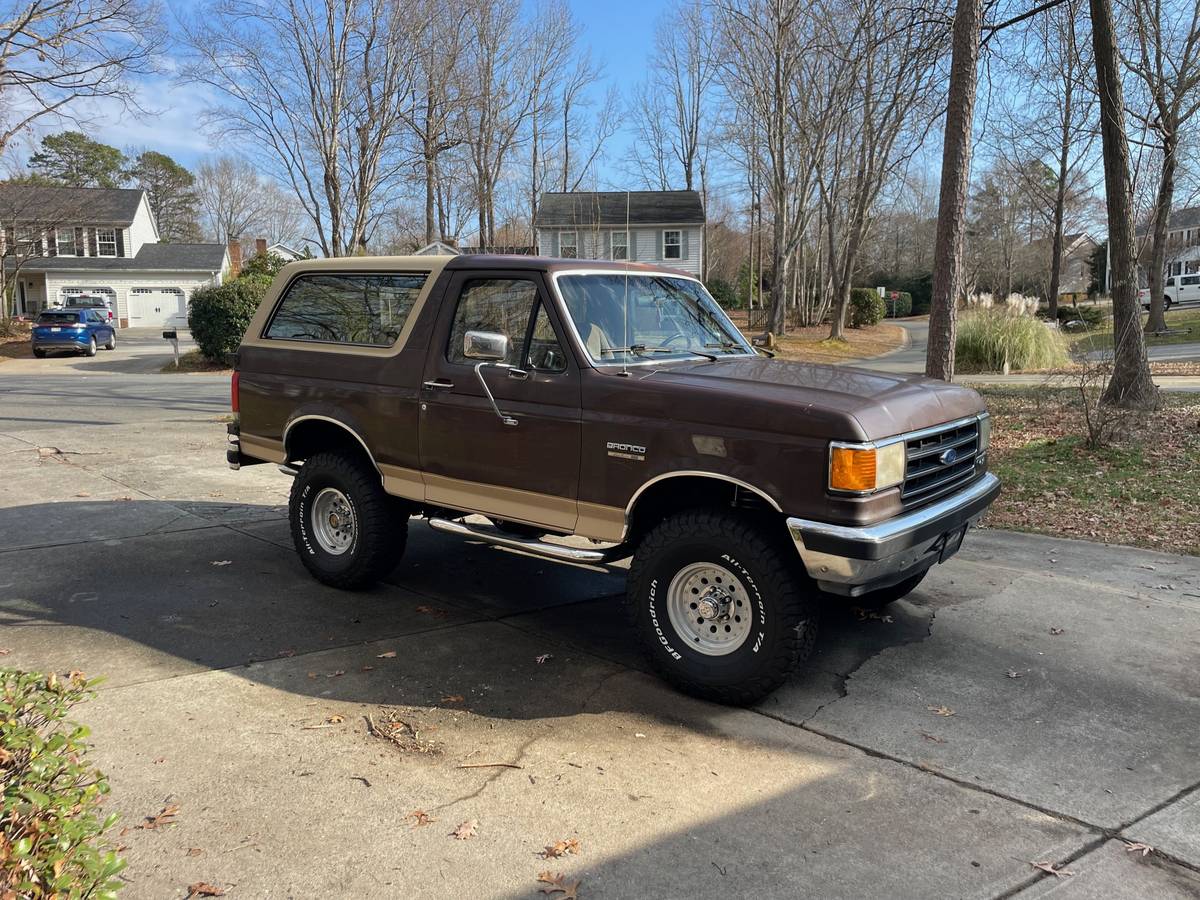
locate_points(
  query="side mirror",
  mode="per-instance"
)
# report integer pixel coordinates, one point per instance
(485, 345)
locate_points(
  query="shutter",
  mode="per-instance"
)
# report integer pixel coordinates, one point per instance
(631, 243)
(607, 245)
(51, 242)
(553, 244)
(120, 241)
(683, 240)
(660, 243)
(80, 250)
(91, 236)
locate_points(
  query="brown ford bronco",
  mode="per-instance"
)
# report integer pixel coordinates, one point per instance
(615, 403)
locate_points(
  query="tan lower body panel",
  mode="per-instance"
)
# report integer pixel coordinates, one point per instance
(262, 448)
(602, 523)
(401, 482)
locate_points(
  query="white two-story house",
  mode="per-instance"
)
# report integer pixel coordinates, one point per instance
(662, 227)
(60, 242)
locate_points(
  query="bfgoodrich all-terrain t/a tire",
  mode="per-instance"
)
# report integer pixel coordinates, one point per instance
(721, 605)
(348, 531)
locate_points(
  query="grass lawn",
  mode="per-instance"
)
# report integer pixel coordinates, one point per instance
(1144, 490)
(195, 361)
(1186, 321)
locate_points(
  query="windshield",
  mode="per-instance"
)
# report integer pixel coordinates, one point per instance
(660, 318)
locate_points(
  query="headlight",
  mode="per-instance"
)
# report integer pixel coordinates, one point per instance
(985, 431)
(864, 468)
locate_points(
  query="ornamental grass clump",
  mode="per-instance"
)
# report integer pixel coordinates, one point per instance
(993, 340)
(51, 824)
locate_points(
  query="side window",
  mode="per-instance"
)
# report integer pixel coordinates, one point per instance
(545, 352)
(346, 309)
(496, 305)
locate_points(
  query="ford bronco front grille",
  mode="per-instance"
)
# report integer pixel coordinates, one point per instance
(940, 460)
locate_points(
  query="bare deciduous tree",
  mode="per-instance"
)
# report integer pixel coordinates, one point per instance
(56, 52)
(316, 89)
(1165, 59)
(237, 203)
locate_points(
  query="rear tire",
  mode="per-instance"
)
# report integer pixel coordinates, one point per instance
(91, 347)
(882, 597)
(1166, 303)
(348, 531)
(112, 341)
(764, 614)
(39, 352)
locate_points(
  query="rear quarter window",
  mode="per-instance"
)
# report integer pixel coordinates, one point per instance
(350, 308)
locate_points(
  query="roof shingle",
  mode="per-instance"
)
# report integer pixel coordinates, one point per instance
(617, 207)
(151, 257)
(49, 204)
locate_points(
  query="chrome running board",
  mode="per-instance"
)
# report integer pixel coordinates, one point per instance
(529, 545)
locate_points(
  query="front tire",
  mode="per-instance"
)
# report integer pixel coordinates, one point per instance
(348, 531)
(721, 605)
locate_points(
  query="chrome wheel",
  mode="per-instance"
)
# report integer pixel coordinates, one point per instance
(333, 522)
(710, 608)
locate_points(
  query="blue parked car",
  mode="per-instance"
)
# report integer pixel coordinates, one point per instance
(77, 330)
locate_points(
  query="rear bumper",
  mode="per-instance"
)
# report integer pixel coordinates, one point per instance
(853, 561)
(61, 343)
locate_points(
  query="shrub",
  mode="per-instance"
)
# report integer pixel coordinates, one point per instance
(1091, 316)
(986, 339)
(866, 307)
(267, 264)
(218, 316)
(723, 292)
(50, 827)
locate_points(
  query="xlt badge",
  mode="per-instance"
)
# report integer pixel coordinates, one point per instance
(626, 451)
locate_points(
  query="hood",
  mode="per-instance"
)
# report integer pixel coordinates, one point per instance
(882, 404)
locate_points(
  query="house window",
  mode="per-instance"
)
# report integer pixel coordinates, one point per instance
(620, 245)
(568, 245)
(106, 242)
(672, 245)
(29, 242)
(65, 241)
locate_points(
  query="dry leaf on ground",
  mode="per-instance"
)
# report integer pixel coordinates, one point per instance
(433, 611)
(541, 659)
(222, 562)
(941, 710)
(165, 816)
(1048, 867)
(558, 884)
(1013, 673)
(453, 698)
(390, 654)
(1138, 847)
(419, 817)
(1057, 631)
(204, 889)
(335, 719)
(4, 651)
(933, 738)
(194, 851)
(466, 830)
(560, 848)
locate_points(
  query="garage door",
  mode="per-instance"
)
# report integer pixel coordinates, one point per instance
(157, 306)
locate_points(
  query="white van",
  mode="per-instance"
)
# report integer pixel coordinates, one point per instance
(1178, 290)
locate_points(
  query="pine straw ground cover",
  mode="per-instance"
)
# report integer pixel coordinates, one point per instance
(1142, 490)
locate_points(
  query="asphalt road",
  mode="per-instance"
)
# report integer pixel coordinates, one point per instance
(1034, 702)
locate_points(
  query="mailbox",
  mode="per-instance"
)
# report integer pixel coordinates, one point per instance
(171, 335)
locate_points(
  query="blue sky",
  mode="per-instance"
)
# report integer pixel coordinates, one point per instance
(620, 33)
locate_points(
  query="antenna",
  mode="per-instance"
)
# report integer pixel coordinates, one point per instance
(625, 305)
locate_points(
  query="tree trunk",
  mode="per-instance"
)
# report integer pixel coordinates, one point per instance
(430, 185)
(1162, 216)
(952, 203)
(1060, 199)
(1131, 386)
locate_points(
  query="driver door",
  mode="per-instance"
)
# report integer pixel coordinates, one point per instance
(472, 460)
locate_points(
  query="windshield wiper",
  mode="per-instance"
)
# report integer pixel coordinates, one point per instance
(641, 349)
(724, 345)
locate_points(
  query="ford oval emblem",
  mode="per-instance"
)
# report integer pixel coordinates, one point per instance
(948, 457)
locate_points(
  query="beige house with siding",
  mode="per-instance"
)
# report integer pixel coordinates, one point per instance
(661, 227)
(61, 242)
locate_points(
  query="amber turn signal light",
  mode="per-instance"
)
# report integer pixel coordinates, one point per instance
(852, 469)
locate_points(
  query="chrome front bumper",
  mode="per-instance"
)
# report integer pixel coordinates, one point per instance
(853, 561)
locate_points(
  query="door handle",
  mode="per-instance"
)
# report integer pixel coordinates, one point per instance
(440, 384)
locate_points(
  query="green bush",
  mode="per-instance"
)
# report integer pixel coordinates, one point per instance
(723, 292)
(986, 338)
(866, 307)
(50, 825)
(218, 316)
(1091, 316)
(267, 264)
(900, 307)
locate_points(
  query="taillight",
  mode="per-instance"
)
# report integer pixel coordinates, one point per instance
(234, 385)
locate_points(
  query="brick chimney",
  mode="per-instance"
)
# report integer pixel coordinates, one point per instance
(260, 246)
(235, 259)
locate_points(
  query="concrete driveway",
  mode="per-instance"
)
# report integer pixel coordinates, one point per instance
(238, 690)
(138, 351)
